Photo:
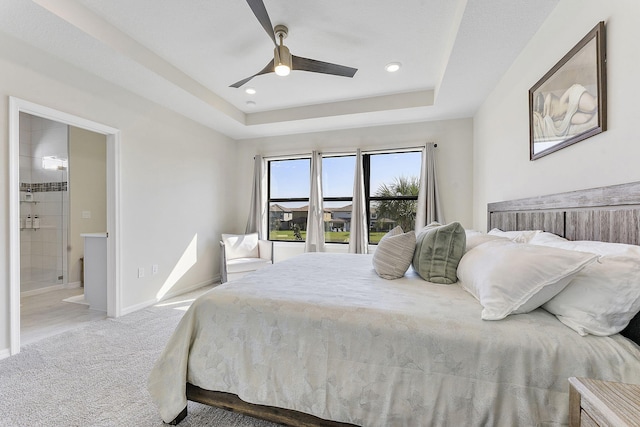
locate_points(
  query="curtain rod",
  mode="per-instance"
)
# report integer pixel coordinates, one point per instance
(346, 152)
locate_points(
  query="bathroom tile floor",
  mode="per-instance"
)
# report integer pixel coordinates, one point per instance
(47, 314)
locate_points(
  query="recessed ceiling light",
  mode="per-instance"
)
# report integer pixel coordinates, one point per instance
(251, 104)
(250, 91)
(392, 67)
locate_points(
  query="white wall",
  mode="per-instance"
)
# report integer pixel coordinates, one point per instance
(88, 193)
(176, 197)
(454, 160)
(502, 169)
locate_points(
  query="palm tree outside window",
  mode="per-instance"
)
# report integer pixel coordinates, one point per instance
(392, 183)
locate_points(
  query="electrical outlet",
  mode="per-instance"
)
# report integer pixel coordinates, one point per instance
(140, 272)
(154, 269)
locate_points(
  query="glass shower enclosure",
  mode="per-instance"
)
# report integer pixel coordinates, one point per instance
(44, 204)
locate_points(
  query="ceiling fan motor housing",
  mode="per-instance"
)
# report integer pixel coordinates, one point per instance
(281, 55)
(281, 31)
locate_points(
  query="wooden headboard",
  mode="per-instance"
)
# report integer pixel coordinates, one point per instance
(608, 214)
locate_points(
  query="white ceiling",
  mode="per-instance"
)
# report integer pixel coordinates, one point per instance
(185, 54)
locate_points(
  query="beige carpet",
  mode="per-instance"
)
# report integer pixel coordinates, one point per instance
(96, 376)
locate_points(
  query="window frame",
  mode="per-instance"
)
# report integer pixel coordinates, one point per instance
(339, 199)
(283, 199)
(366, 165)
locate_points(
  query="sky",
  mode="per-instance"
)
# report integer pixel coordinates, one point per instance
(290, 178)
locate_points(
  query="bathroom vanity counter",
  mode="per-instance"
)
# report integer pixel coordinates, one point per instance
(95, 270)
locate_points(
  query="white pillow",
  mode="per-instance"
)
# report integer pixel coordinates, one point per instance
(394, 253)
(545, 237)
(599, 248)
(471, 233)
(241, 246)
(603, 297)
(513, 278)
(478, 239)
(517, 236)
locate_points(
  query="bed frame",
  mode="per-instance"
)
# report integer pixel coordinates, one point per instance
(609, 214)
(232, 402)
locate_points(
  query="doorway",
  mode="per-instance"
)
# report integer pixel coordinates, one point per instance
(62, 197)
(17, 106)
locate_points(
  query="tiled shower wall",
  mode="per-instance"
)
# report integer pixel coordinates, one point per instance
(43, 192)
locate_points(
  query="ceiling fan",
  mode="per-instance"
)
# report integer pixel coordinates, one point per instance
(283, 62)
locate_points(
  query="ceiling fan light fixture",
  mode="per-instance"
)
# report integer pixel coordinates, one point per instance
(282, 70)
(392, 67)
(282, 60)
(250, 91)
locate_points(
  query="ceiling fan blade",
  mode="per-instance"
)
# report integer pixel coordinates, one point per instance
(314, 66)
(260, 11)
(269, 68)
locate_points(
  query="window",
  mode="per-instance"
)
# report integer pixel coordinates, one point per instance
(337, 197)
(391, 190)
(392, 181)
(289, 188)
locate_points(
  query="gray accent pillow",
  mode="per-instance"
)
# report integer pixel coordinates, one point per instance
(393, 255)
(439, 249)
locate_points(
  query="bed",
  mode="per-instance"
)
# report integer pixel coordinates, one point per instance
(323, 340)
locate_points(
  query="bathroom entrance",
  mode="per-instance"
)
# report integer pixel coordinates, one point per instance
(63, 184)
(62, 195)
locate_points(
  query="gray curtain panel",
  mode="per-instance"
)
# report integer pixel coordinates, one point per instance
(315, 218)
(429, 209)
(358, 239)
(257, 210)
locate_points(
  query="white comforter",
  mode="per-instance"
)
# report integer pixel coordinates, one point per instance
(323, 334)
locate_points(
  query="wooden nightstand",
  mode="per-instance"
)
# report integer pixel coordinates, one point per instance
(603, 403)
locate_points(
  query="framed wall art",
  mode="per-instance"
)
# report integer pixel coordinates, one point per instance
(568, 104)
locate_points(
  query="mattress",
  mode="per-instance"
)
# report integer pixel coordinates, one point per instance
(323, 334)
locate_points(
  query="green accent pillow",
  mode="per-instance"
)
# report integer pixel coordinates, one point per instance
(439, 249)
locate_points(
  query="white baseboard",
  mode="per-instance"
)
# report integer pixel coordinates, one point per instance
(149, 303)
(49, 289)
(4, 353)
(41, 291)
(136, 307)
(73, 285)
